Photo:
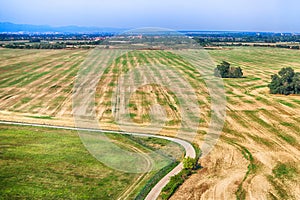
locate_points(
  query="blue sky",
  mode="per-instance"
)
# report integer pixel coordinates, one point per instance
(246, 15)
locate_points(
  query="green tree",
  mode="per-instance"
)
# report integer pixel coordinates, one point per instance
(237, 73)
(287, 75)
(275, 84)
(189, 163)
(285, 82)
(222, 70)
(296, 83)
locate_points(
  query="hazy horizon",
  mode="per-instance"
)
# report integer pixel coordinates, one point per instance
(214, 15)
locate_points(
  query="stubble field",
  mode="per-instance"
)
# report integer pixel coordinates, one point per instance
(257, 156)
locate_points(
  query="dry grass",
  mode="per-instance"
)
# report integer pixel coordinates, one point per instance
(265, 125)
(261, 129)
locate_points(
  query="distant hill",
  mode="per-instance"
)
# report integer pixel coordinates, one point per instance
(11, 27)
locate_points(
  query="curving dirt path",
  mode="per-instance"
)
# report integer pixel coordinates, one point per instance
(154, 193)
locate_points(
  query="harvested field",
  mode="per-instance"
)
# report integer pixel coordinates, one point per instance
(261, 131)
(38, 82)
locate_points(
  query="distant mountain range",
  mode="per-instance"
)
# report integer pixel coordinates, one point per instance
(27, 28)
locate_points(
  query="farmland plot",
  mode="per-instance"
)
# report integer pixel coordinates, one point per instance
(258, 153)
(261, 134)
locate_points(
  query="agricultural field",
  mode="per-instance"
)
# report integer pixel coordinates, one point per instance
(261, 136)
(38, 81)
(39, 163)
(258, 154)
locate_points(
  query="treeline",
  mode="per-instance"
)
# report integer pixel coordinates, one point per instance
(76, 43)
(52, 37)
(284, 46)
(224, 70)
(206, 39)
(286, 82)
(34, 46)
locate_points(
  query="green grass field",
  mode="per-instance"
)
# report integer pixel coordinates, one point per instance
(43, 163)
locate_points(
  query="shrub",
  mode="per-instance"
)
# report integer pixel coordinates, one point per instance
(154, 180)
(175, 182)
(189, 163)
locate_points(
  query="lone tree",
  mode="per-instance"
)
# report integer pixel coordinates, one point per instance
(285, 82)
(225, 71)
(189, 163)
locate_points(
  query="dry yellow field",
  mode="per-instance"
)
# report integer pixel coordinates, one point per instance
(258, 154)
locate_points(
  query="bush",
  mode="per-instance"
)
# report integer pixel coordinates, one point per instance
(189, 163)
(175, 182)
(285, 82)
(154, 180)
(225, 71)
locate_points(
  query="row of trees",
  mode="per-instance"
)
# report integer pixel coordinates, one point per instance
(284, 46)
(286, 82)
(208, 39)
(35, 46)
(224, 70)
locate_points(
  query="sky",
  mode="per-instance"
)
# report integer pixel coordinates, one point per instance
(234, 15)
